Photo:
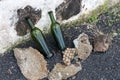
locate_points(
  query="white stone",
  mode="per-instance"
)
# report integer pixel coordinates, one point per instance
(75, 41)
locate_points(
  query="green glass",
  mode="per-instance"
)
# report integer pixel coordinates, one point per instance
(56, 31)
(38, 37)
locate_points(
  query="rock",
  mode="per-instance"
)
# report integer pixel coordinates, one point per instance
(83, 46)
(102, 43)
(60, 71)
(31, 63)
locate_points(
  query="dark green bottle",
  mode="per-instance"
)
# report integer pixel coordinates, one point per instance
(38, 37)
(56, 31)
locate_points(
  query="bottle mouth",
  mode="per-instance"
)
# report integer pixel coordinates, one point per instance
(26, 18)
(50, 12)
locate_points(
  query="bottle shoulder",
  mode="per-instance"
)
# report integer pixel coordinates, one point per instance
(55, 24)
(35, 30)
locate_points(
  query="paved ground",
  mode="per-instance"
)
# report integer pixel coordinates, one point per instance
(98, 66)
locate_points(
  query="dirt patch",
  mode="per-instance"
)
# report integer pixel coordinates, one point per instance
(22, 27)
(68, 9)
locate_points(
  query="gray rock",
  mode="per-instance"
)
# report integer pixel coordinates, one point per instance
(102, 43)
(31, 63)
(63, 72)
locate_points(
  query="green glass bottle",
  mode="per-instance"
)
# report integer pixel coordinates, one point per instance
(38, 37)
(56, 31)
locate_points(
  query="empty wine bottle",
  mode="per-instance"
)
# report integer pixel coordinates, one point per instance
(38, 37)
(56, 32)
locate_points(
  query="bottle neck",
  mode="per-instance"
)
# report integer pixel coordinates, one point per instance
(30, 23)
(51, 17)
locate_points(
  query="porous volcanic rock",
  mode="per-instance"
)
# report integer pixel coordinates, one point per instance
(83, 46)
(60, 71)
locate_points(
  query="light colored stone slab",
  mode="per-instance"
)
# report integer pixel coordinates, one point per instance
(61, 72)
(84, 48)
(31, 63)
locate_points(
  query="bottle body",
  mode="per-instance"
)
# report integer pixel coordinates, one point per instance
(38, 37)
(56, 32)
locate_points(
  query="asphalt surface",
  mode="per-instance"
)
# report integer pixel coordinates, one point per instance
(98, 66)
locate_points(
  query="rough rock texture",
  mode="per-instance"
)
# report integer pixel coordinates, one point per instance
(32, 64)
(102, 43)
(60, 71)
(83, 46)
